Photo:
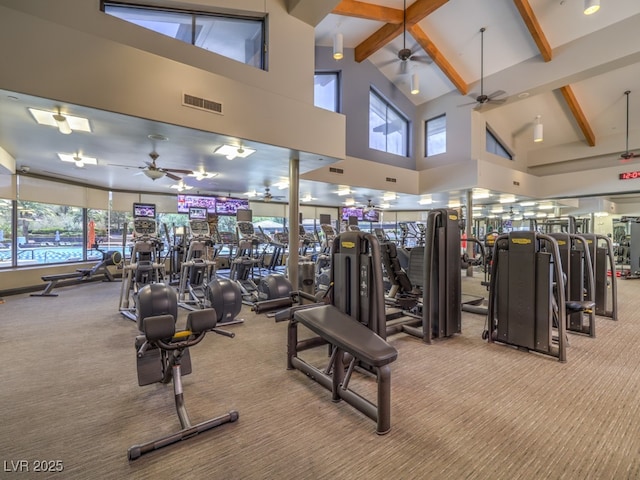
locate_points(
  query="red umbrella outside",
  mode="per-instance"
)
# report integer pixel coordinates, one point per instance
(91, 235)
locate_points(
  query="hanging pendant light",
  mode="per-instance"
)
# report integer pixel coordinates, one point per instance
(415, 84)
(537, 130)
(337, 46)
(591, 6)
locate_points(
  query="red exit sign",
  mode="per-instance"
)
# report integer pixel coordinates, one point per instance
(629, 175)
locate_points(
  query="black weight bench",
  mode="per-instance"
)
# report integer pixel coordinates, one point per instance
(345, 335)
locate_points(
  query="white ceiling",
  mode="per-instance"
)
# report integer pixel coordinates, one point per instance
(454, 28)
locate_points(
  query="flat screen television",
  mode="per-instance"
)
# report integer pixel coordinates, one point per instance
(202, 201)
(229, 206)
(144, 210)
(371, 215)
(352, 212)
(197, 213)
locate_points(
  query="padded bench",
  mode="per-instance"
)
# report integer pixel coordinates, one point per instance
(346, 335)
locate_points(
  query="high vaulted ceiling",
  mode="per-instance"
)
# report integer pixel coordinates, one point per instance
(549, 58)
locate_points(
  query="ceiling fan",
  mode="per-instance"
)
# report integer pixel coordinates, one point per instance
(405, 54)
(482, 98)
(154, 172)
(627, 155)
(267, 196)
(370, 206)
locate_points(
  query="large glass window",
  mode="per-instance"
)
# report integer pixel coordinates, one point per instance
(326, 90)
(436, 135)
(239, 38)
(388, 128)
(49, 233)
(496, 147)
(6, 232)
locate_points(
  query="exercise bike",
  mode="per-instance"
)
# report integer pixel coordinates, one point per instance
(163, 356)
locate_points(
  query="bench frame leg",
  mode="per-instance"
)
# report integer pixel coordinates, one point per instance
(380, 413)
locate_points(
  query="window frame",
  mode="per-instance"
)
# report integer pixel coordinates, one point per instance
(337, 92)
(427, 136)
(195, 14)
(407, 124)
(503, 151)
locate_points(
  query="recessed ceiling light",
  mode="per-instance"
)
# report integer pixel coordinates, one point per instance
(80, 160)
(523, 95)
(43, 117)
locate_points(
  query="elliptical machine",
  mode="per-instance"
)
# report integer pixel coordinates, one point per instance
(197, 268)
(145, 265)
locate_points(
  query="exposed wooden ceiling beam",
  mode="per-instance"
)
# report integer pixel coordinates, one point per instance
(535, 29)
(353, 8)
(416, 12)
(439, 59)
(421, 8)
(578, 114)
(376, 41)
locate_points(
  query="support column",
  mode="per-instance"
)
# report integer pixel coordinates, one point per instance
(294, 220)
(469, 230)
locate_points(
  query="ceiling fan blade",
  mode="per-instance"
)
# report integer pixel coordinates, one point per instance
(172, 176)
(123, 166)
(386, 63)
(403, 67)
(496, 101)
(421, 59)
(177, 170)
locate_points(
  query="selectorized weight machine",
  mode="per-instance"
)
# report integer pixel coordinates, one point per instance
(527, 307)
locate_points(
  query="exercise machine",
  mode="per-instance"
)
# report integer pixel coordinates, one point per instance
(162, 355)
(272, 290)
(440, 279)
(109, 258)
(578, 282)
(604, 266)
(353, 325)
(145, 265)
(198, 268)
(527, 294)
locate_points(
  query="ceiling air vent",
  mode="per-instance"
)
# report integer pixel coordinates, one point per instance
(391, 179)
(201, 103)
(336, 170)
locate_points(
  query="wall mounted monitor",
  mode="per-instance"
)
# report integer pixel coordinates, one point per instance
(144, 210)
(202, 201)
(372, 215)
(244, 215)
(229, 206)
(197, 213)
(352, 212)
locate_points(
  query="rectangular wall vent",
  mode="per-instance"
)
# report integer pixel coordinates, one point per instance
(391, 179)
(201, 103)
(336, 170)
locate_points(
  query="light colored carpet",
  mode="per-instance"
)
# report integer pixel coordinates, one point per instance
(461, 408)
